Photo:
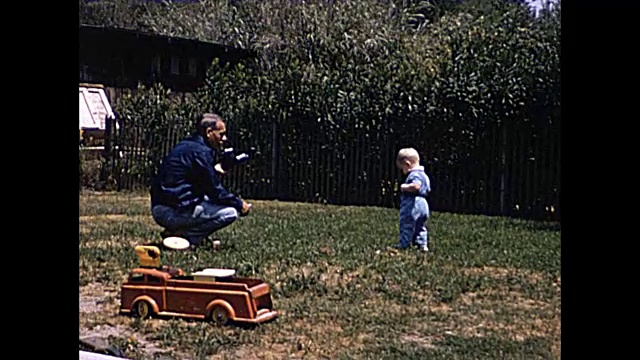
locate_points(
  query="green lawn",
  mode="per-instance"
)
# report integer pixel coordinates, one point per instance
(490, 289)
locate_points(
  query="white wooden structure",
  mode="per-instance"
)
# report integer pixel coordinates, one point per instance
(94, 107)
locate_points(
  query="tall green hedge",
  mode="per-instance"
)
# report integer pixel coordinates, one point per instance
(358, 75)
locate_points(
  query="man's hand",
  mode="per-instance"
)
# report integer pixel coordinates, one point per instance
(246, 207)
(218, 168)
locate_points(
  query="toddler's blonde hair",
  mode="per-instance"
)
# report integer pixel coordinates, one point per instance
(409, 154)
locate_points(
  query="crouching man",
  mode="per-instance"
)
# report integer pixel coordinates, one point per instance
(187, 197)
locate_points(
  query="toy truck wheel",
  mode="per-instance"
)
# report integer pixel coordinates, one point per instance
(142, 309)
(219, 315)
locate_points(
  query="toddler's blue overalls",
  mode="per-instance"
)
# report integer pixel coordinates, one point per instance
(414, 210)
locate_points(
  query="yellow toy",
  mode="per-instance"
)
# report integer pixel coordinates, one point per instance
(149, 256)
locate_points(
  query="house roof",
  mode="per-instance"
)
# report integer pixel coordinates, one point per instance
(119, 57)
(93, 30)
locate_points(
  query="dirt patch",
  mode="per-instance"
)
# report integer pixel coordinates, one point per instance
(331, 276)
(508, 314)
(423, 341)
(440, 308)
(99, 317)
(505, 273)
(123, 332)
(422, 296)
(500, 311)
(327, 251)
(274, 351)
(108, 217)
(335, 276)
(510, 298)
(312, 338)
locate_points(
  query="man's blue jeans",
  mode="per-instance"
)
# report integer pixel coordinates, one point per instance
(196, 223)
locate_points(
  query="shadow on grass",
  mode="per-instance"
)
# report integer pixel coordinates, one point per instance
(230, 324)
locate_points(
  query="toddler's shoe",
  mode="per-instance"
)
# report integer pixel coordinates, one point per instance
(422, 248)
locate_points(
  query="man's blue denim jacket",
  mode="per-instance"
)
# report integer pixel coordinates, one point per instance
(187, 175)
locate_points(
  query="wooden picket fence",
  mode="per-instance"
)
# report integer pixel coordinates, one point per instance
(514, 170)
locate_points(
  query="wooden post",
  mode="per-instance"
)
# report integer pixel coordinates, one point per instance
(112, 96)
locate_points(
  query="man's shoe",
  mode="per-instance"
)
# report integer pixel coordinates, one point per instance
(213, 243)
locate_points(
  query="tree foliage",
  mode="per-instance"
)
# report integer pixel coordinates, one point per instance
(436, 75)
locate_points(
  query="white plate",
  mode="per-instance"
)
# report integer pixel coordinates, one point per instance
(216, 272)
(176, 243)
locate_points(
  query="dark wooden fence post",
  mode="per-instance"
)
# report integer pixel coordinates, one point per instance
(503, 151)
(107, 167)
